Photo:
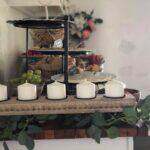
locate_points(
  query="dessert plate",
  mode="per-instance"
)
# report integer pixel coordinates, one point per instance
(95, 77)
(114, 97)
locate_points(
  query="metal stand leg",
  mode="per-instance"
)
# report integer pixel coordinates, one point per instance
(27, 59)
(66, 46)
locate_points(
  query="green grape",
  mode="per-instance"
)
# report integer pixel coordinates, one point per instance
(24, 75)
(30, 71)
(35, 76)
(29, 77)
(29, 74)
(38, 72)
(39, 80)
(36, 79)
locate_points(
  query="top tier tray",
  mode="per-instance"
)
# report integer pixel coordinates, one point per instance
(60, 51)
(38, 23)
(46, 24)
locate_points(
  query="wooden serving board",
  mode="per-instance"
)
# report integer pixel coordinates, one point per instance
(71, 105)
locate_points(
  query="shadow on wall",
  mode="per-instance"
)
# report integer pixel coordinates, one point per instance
(2, 69)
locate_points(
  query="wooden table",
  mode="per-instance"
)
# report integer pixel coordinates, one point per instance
(71, 105)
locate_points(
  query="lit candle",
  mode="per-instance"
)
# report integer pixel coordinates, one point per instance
(56, 90)
(3, 92)
(85, 90)
(27, 91)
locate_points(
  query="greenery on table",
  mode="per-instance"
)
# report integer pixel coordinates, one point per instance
(31, 76)
(21, 128)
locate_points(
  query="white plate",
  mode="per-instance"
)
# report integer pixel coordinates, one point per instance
(95, 77)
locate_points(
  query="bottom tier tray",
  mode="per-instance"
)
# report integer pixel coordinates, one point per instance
(71, 105)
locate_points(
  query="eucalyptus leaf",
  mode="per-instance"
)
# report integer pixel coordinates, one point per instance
(77, 118)
(21, 124)
(4, 121)
(52, 117)
(5, 146)
(12, 125)
(113, 132)
(145, 102)
(131, 120)
(3, 124)
(95, 133)
(98, 119)
(140, 103)
(98, 20)
(92, 12)
(144, 106)
(32, 129)
(44, 118)
(26, 140)
(6, 134)
(130, 112)
(16, 118)
(84, 122)
(145, 112)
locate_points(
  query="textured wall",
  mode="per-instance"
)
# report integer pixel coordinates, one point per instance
(123, 39)
(12, 41)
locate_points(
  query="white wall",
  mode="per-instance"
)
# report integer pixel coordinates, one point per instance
(123, 39)
(12, 41)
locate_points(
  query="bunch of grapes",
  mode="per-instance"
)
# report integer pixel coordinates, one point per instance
(30, 76)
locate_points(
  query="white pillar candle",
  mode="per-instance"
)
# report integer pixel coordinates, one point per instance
(86, 90)
(56, 90)
(114, 88)
(3, 92)
(27, 91)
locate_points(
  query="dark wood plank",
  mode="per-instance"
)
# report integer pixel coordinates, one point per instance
(82, 133)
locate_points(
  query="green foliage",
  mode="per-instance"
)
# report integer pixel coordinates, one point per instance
(21, 127)
(130, 112)
(32, 129)
(30, 76)
(45, 118)
(98, 119)
(130, 115)
(6, 134)
(98, 20)
(92, 12)
(95, 133)
(84, 121)
(25, 139)
(113, 132)
(144, 107)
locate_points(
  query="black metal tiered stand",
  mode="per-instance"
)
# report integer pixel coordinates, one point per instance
(47, 24)
(62, 22)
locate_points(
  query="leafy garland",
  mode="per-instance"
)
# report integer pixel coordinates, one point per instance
(21, 128)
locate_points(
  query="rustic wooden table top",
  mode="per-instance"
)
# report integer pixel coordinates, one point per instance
(71, 105)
